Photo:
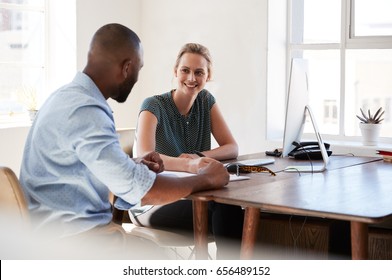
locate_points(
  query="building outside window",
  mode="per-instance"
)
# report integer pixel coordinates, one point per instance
(348, 45)
(37, 54)
(22, 57)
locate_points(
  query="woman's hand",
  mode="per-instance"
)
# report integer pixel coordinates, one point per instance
(191, 156)
(196, 164)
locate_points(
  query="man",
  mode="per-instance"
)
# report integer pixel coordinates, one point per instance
(73, 159)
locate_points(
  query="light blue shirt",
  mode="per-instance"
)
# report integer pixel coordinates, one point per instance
(73, 157)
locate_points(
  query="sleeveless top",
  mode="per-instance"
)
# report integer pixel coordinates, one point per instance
(177, 134)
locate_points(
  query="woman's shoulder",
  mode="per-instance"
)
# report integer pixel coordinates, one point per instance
(205, 92)
(156, 99)
(156, 103)
(206, 95)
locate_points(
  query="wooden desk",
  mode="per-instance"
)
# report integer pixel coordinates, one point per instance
(353, 189)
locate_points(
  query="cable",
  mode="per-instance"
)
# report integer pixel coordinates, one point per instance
(291, 168)
(307, 152)
(295, 239)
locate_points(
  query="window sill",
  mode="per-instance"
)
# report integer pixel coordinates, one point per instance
(342, 147)
(9, 125)
(14, 121)
(357, 148)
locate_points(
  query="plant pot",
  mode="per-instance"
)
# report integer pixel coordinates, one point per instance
(32, 114)
(370, 133)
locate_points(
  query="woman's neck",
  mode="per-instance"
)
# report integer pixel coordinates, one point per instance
(183, 101)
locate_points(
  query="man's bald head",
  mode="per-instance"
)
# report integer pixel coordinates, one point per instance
(114, 40)
(114, 60)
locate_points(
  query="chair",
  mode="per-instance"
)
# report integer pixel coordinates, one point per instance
(126, 137)
(174, 241)
(12, 199)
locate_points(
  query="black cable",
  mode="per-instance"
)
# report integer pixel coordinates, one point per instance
(307, 152)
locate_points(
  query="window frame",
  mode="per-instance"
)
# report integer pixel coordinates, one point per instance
(378, 42)
(60, 54)
(23, 119)
(347, 42)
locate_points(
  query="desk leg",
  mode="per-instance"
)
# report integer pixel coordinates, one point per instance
(249, 233)
(359, 241)
(200, 229)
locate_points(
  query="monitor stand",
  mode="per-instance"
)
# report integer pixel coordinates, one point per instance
(311, 167)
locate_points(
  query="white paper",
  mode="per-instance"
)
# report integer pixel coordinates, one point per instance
(180, 174)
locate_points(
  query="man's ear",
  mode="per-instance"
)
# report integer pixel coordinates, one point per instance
(126, 67)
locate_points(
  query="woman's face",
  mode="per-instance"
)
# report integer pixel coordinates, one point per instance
(192, 73)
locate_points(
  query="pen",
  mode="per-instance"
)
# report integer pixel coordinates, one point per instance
(199, 154)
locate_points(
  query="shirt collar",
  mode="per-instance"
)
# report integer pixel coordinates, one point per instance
(91, 88)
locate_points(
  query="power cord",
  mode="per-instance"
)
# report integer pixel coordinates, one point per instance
(307, 152)
(295, 239)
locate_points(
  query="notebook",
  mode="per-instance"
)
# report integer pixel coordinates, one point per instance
(256, 161)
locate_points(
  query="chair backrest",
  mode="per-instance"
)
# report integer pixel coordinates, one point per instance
(127, 138)
(12, 199)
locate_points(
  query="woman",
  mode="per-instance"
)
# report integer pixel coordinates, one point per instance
(178, 125)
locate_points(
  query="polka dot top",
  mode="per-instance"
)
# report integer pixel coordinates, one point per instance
(177, 134)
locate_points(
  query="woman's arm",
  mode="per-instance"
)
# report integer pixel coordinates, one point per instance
(145, 133)
(169, 189)
(146, 128)
(228, 147)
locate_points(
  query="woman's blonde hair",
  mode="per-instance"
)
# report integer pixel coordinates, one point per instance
(196, 49)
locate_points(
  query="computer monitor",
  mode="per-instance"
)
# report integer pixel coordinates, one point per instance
(296, 107)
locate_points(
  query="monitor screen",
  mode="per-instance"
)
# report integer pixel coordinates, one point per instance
(297, 100)
(296, 108)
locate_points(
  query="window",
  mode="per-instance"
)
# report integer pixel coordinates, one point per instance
(22, 56)
(371, 18)
(349, 48)
(330, 111)
(37, 54)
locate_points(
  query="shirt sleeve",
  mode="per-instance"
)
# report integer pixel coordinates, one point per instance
(210, 98)
(152, 105)
(97, 146)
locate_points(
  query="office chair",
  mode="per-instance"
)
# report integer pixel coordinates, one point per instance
(12, 199)
(174, 241)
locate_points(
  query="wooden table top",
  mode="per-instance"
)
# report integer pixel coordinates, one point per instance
(352, 188)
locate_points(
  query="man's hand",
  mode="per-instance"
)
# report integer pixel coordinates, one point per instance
(167, 189)
(153, 162)
(216, 173)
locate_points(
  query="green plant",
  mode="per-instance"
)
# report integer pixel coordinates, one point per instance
(27, 95)
(369, 118)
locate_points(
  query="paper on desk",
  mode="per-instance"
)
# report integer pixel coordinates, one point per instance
(180, 174)
(234, 177)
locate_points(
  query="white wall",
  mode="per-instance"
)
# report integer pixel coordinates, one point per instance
(11, 149)
(234, 31)
(91, 15)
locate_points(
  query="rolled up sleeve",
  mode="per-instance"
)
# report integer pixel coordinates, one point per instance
(99, 150)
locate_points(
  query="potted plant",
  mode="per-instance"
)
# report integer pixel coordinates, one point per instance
(370, 126)
(28, 97)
